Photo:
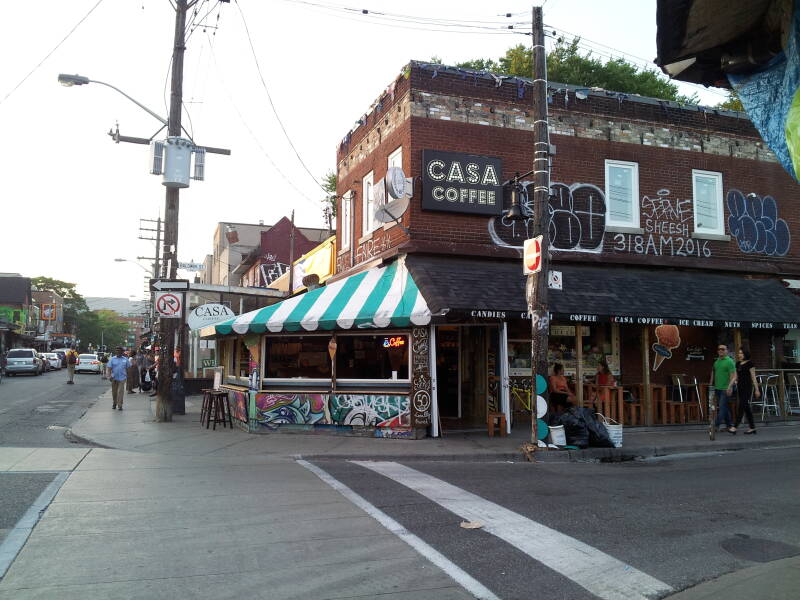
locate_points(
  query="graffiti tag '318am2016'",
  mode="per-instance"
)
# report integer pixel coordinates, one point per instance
(754, 222)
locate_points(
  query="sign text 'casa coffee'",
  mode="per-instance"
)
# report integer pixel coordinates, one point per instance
(462, 183)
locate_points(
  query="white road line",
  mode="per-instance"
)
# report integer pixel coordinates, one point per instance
(601, 574)
(472, 585)
(17, 537)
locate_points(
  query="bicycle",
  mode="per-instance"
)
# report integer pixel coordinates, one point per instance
(522, 398)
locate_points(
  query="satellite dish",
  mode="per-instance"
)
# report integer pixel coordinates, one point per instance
(395, 182)
(392, 211)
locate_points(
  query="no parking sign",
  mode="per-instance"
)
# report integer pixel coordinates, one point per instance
(169, 305)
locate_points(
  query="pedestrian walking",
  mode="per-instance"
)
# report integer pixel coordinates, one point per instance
(104, 365)
(118, 367)
(153, 358)
(72, 360)
(133, 374)
(746, 388)
(722, 380)
(141, 362)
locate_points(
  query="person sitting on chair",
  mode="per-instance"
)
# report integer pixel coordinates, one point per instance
(604, 375)
(560, 394)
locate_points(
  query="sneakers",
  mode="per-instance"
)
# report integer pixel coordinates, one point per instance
(119, 407)
(71, 382)
(113, 407)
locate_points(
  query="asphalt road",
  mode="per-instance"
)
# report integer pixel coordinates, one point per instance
(35, 411)
(679, 521)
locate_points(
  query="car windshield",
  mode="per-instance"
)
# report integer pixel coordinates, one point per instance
(89, 356)
(20, 353)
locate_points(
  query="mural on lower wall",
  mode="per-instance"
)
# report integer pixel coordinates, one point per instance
(374, 410)
(239, 405)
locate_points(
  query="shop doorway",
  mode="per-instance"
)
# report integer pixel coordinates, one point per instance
(467, 374)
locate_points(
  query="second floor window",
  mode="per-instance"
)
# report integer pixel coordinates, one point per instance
(707, 192)
(622, 194)
(368, 209)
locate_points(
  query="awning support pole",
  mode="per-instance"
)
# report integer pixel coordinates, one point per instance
(647, 391)
(435, 423)
(579, 364)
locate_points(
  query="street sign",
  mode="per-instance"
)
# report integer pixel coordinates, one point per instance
(208, 314)
(532, 255)
(554, 280)
(169, 305)
(191, 266)
(160, 285)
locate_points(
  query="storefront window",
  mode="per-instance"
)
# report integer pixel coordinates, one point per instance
(298, 357)
(242, 359)
(597, 348)
(372, 356)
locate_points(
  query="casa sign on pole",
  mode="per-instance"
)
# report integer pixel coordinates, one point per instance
(169, 305)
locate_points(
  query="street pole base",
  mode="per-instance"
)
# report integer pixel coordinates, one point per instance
(529, 450)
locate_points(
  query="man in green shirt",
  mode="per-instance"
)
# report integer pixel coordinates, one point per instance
(723, 377)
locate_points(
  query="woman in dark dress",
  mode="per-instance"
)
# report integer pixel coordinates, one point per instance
(746, 387)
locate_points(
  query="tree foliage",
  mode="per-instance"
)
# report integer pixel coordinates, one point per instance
(97, 327)
(732, 103)
(74, 303)
(329, 201)
(566, 64)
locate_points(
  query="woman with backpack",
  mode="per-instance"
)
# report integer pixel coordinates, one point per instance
(72, 360)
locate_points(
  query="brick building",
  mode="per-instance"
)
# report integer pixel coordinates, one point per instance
(670, 227)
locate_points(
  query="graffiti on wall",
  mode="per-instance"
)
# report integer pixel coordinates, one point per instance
(239, 405)
(420, 377)
(577, 219)
(666, 222)
(375, 410)
(270, 271)
(755, 224)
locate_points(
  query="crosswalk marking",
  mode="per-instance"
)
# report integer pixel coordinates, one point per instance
(601, 574)
(469, 583)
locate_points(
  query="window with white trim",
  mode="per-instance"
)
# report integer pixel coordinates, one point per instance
(395, 158)
(344, 238)
(367, 209)
(707, 193)
(622, 194)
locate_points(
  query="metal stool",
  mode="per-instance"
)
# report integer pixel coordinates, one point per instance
(498, 419)
(216, 408)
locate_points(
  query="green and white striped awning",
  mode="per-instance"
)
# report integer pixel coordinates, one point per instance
(376, 298)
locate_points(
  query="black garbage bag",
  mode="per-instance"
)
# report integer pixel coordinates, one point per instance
(575, 428)
(598, 434)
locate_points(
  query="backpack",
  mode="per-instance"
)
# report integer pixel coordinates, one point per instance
(72, 358)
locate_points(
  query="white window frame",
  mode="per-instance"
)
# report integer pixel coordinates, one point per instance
(346, 215)
(367, 209)
(698, 228)
(634, 222)
(395, 158)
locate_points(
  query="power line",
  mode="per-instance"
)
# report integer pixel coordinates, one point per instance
(252, 133)
(271, 103)
(57, 46)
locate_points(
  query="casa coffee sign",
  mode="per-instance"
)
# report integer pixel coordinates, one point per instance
(208, 314)
(462, 183)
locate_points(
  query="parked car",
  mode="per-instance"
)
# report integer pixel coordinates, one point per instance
(54, 360)
(88, 363)
(62, 356)
(24, 360)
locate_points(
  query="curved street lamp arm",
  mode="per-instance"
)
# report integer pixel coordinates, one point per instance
(136, 102)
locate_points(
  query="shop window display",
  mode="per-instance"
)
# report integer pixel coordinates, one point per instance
(298, 357)
(372, 357)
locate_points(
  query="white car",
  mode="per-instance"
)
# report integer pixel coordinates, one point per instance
(88, 363)
(53, 359)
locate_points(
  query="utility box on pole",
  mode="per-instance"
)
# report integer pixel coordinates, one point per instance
(177, 162)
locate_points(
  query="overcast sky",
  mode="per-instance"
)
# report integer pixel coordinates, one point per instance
(72, 199)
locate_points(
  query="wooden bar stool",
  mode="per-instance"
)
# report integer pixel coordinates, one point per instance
(498, 419)
(216, 408)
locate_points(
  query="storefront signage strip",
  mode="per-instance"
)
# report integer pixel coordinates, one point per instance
(506, 315)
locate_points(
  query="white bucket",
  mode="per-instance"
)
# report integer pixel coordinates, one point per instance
(614, 430)
(557, 435)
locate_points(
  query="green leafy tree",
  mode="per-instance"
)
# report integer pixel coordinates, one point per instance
(329, 201)
(74, 303)
(566, 64)
(97, 327)
(732, 103)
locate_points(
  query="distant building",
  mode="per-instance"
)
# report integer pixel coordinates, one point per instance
(17, 313)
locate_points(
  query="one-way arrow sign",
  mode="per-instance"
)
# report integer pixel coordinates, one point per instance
(159, 285)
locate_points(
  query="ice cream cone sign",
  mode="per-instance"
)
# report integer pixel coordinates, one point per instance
(668, 339)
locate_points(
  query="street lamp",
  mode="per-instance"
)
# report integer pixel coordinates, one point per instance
(133, 262)
(70, 80)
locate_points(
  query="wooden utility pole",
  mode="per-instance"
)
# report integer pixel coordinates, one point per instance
(536, 288)
(170, 264)
(291, 257)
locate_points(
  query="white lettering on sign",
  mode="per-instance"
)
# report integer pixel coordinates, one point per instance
(762, 325)
(790, 326)
(488, 314)
(588, 318)
(733, 324)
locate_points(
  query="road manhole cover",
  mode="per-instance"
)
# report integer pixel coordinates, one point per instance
(758, 550)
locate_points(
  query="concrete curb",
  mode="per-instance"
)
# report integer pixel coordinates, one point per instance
(587, 455)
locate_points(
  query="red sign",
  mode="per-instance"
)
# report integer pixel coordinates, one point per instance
(532, 256)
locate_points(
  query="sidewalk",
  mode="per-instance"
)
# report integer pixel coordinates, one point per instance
(133, 429)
